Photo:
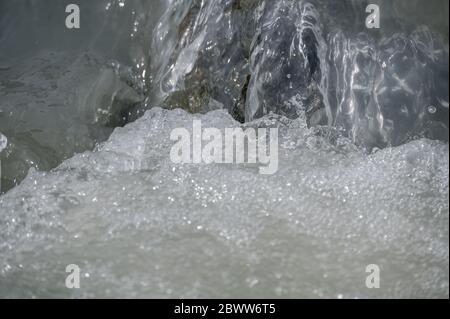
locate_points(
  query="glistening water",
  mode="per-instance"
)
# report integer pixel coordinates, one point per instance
(85, 122)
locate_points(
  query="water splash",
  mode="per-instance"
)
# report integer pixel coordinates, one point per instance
(376, 89)
(140, 225)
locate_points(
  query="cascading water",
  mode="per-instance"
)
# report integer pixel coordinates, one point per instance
(363, 158)
(253, 57)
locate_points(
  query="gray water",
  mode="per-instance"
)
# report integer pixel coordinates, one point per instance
(363, 173)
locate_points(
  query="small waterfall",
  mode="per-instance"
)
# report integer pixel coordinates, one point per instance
(361, 149)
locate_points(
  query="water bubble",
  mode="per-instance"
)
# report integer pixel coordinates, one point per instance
(432, 109)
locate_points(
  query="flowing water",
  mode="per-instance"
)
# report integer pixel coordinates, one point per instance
(85, 122)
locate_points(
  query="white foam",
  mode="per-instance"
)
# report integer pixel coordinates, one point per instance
(139, 226)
